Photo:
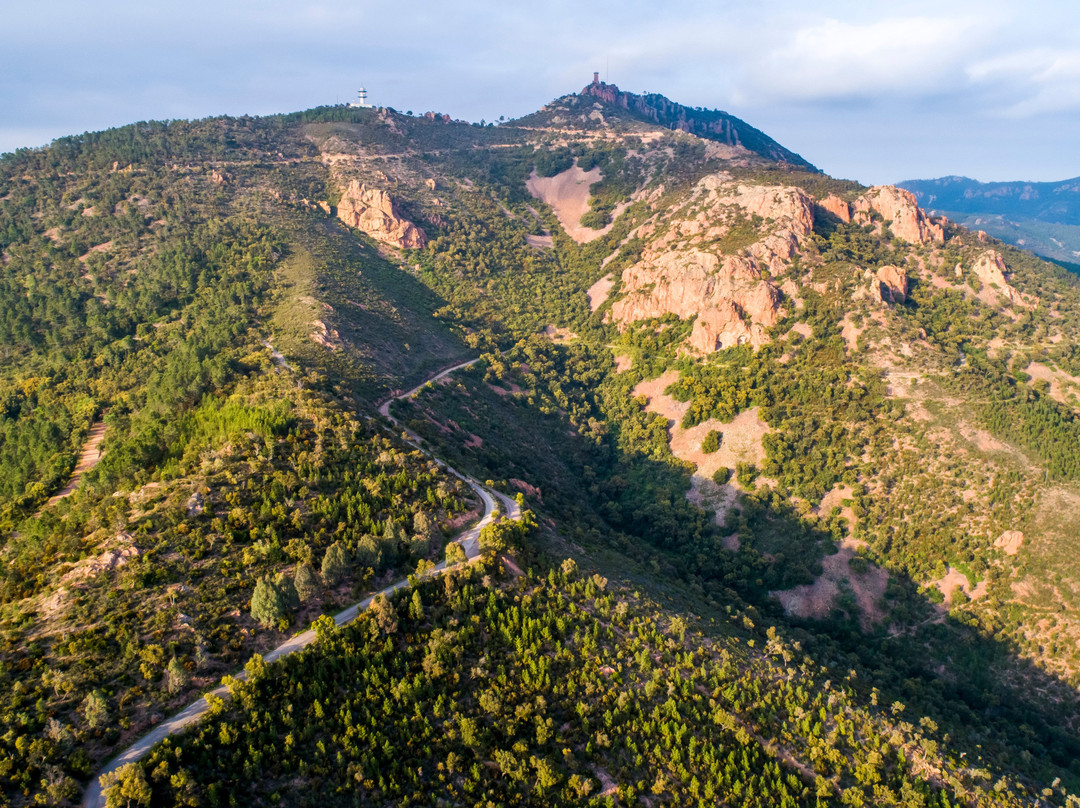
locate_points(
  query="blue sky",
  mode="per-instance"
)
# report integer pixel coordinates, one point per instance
(878, 92)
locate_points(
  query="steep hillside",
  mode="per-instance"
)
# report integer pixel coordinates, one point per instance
(814, 450)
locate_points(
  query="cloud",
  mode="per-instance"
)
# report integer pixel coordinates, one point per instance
(1041, 80)
(834, 60)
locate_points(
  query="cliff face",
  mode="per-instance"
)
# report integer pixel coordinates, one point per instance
(371, 210)
(709, 124)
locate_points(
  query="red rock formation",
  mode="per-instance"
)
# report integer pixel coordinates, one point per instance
(990, 269)
(901, 212)
(683, 273)
(371, 210)
(837, 207)
(732, 302)
(892, 284)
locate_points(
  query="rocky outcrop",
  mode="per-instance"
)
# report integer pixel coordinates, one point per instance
(891, 284)
(372, 211)
(731, 301)
(990, 269)
(325, 336)
(901, 212)
(789, 206)
(686, 272)
(836, 206)
(708, 124)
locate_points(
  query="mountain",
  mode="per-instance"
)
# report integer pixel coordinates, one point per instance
(797, 460)
(1040, 216)
(599, 102)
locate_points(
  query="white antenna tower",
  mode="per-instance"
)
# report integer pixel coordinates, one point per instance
(361, 98)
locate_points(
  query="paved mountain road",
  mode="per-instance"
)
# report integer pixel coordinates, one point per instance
(468, 539)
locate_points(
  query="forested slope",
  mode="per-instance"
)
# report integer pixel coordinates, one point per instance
(813, 450)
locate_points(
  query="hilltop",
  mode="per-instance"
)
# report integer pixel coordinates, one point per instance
(802, 456)
(601, 105)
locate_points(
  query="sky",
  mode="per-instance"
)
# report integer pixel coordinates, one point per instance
(873, 91)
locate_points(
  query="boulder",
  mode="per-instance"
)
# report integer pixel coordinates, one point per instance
(990, 269)
(372, 211)
(892, 284)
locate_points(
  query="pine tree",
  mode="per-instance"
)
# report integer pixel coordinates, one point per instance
(175, 676)
(306, 582)
(95, 709)
(126, 787)
(289, 597)
(267, 603)
(385, 614)
(335, 564)
(454, 554)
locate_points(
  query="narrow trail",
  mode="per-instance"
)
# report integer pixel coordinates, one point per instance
(469, 540)
(91, 454)
(277, 356)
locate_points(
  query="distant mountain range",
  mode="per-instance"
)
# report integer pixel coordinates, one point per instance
(1041, 216)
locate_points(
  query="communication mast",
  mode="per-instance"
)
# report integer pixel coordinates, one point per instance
(361, 98)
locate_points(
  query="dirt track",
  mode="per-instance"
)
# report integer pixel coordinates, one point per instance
(91, 454)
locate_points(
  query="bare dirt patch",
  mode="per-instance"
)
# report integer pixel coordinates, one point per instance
(599, 292)
(850, 332)
(474, 442)
(568, 195)
(462, 519)
(502, 391)
(982, 440)
(557, 334)
(835, 499)
(540, 242)
(623, 362)
(740, 442)
(96, 248)
(955, 580)
(1010, 541)
(1061, 384)
(526, 488)
(817, 600)
(658, 401)
(608, 786)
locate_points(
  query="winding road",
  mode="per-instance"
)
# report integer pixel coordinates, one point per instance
(469, 540)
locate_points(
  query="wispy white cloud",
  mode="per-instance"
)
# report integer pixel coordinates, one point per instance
(833, 60)
(1037, 80)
